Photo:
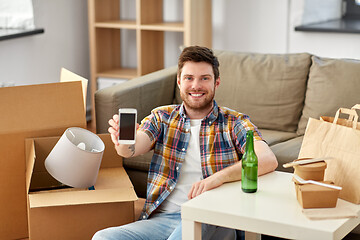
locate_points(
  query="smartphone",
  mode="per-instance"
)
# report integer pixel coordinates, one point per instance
(127, 125)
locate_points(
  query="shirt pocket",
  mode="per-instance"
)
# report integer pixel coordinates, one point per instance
(222, 144)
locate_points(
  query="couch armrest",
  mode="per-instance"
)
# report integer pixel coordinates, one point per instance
(143, 93)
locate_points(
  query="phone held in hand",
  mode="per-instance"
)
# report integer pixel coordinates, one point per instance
(127, 125)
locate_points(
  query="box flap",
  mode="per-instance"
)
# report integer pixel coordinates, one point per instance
(67, 76)
(40, 179)
(110, 158)
(109, 178)
(30, 159)
(40, 107)
(114, 186)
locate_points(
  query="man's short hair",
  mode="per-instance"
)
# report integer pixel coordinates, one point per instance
(198, 54)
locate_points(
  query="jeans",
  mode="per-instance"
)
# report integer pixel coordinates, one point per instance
(157, 227)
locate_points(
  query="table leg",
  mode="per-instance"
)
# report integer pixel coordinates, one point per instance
(191, 230)
(252, 236)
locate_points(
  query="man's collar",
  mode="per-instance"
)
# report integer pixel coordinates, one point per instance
(182, 111)
(211, 117)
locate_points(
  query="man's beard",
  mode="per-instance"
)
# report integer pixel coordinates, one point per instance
(198, 105)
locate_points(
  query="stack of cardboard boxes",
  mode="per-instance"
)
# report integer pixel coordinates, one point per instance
(32, 118)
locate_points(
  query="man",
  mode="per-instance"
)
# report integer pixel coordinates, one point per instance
(197, 147)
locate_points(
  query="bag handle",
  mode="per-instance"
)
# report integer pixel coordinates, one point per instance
(356, 106)
(351, 112)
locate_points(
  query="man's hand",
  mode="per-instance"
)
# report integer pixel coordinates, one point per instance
(124, 150)
(204, 185)
(114, 129)
(141, 146)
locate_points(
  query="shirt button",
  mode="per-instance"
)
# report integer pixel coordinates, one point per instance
(177, 168)
(183, 149)
(144, 217)
(157, 202)
(186, 130)
(171, 187)
(209, 123)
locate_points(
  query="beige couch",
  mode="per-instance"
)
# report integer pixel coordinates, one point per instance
(278, 91)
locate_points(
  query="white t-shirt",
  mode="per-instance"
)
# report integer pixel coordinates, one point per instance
(190, 171)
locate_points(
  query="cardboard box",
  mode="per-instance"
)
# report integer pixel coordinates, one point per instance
(311, 171)
(73, 213)
(315, 196)
(30, 111)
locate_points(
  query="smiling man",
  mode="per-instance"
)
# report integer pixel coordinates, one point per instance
(197, 146)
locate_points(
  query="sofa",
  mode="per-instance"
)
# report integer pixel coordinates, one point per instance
(278, 91)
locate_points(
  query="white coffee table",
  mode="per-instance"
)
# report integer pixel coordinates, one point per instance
(272, 210)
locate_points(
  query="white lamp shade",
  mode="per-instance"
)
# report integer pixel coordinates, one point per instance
(75, 160)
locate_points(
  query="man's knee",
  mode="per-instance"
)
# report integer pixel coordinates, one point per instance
(115, 233)
(101, 235)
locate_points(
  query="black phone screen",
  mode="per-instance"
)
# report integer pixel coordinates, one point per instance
(127, 126)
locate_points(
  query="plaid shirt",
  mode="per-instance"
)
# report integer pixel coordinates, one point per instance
(222, 142)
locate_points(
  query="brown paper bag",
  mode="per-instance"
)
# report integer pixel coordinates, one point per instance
(340, 139)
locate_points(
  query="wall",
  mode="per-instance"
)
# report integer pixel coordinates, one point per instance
(250, 26)
(334, 45)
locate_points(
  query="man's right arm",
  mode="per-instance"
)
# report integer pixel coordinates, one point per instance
(142, 145)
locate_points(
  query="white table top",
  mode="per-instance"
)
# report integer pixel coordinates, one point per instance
(272, 210)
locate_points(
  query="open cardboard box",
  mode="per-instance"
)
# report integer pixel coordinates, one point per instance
(25, 112)
(73, 213)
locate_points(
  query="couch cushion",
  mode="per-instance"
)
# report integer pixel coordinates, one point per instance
(286, 152)
(270, 88)
(273, 137)
(333, 83)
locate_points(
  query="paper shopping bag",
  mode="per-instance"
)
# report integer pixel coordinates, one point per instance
(339, 139)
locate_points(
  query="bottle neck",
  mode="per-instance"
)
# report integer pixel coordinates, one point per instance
(249, 141)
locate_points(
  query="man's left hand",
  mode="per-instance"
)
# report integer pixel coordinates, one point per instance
(204, 185)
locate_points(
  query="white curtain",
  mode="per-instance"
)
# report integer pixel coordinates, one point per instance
(16, 14)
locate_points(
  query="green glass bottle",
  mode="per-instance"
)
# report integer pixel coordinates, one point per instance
(249, 171)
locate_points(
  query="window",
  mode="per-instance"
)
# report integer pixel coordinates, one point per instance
(16, 14)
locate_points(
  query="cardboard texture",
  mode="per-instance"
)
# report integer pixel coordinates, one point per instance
(311, 171)
(73, 213)
(30, 111)
(67, 76)
(315, 196)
